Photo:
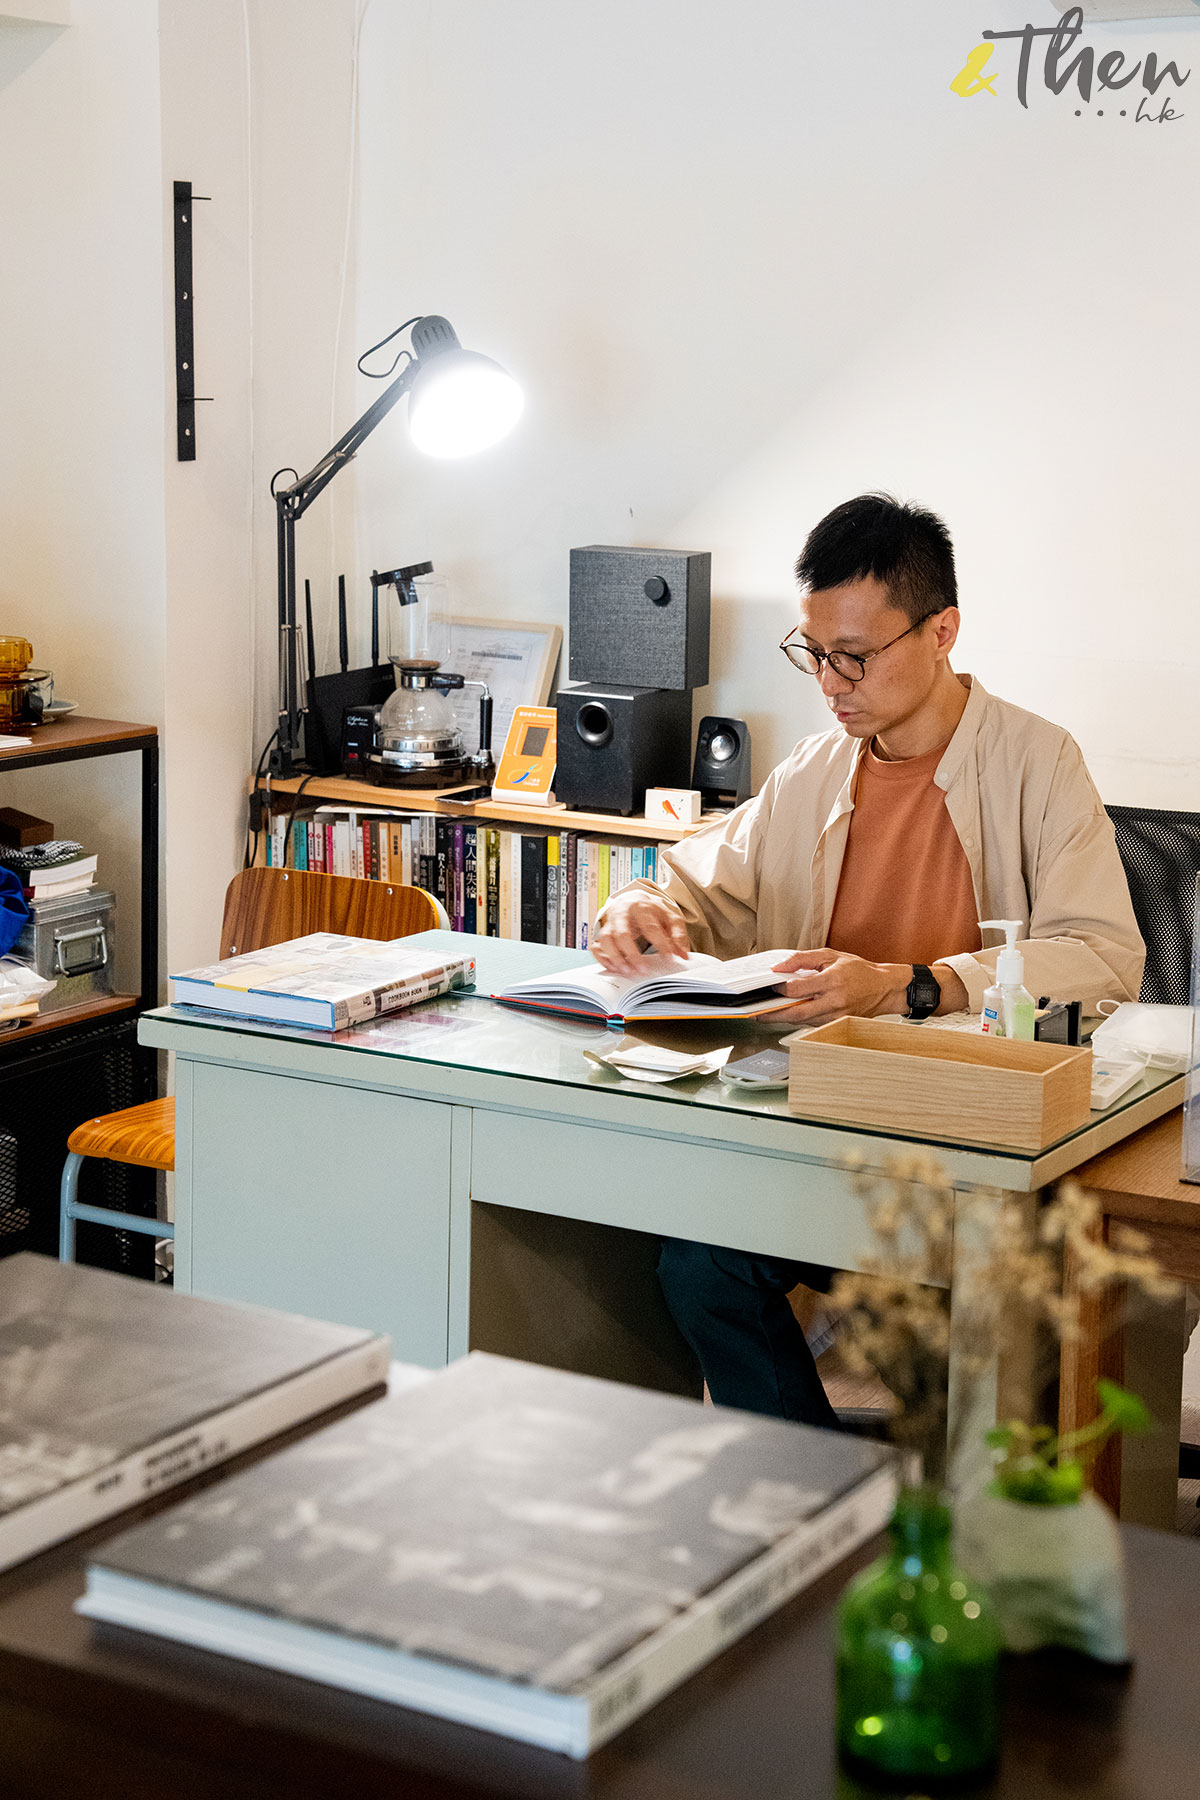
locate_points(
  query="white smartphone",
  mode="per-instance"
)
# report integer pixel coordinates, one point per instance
(764, 1069)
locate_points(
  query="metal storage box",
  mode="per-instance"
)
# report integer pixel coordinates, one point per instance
(70, 942)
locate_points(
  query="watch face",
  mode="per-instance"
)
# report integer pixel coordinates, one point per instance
(924, 991)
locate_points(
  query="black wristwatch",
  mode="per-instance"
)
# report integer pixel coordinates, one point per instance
(923, 993)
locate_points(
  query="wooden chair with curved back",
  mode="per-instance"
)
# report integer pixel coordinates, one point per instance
(262, 907)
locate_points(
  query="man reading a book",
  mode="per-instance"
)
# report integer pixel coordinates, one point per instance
(871, 853)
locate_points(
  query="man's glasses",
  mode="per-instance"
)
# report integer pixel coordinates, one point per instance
(845, 663)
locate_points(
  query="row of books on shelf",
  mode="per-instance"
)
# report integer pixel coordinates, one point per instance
(437, 1547)
(524, 882)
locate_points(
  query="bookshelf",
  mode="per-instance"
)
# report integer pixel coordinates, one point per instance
(542, 876)
(60, 1068)
(75, 739)
(351, 792)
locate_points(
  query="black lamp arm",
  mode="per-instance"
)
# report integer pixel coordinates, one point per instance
(290, 504)
(300, 495)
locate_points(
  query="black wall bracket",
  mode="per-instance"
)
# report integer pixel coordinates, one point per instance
(186, 397)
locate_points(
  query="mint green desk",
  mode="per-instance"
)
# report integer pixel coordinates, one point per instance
(461, 1176)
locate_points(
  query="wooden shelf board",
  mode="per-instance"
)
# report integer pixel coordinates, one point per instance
(76, 732)
(103, 1006)
(556, 818)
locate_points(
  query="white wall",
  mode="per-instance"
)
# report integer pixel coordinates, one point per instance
(82, 569)
(208, 502)
(751, 259)
(303, 95)
(257, 113)
(747, 260)
(134, 575)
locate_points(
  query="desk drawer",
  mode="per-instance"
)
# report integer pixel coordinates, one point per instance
(779, 1206)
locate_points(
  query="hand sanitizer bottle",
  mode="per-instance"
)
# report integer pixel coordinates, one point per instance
(1008, 1006)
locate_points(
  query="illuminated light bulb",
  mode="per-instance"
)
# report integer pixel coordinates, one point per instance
(462, 403)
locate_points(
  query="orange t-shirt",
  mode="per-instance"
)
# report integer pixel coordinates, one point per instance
(905, 893)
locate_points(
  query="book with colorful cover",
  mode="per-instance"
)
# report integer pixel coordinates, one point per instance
(324, 981)
(553, 876)
(473, 916)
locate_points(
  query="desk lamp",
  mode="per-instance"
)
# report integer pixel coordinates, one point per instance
(459, 402)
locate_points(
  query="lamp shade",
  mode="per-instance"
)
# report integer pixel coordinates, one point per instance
(461, 402)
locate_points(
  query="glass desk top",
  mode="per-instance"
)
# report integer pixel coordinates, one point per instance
(471, 1031)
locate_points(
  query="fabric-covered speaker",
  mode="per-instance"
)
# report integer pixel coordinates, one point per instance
(722, 767)
(614, 742)
(640, 616)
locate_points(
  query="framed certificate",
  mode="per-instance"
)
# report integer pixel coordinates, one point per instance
(517, 661)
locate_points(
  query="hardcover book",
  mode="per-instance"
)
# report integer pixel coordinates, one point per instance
(533, 888)
(112, 1389)
(533, 1552)
(323, 981)
(695, 987)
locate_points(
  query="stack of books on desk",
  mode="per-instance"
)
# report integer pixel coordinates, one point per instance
(529, 883)
(324, 982)
(112, 1390)
(53, 870)
(529, 1551)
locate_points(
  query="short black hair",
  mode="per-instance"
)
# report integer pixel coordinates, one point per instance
(906, 547)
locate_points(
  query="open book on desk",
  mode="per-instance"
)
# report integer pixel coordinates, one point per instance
(693, 987)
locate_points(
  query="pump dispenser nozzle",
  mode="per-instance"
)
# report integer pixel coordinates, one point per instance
(1010, 964)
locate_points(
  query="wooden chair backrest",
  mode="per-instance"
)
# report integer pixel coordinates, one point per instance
(269, 906)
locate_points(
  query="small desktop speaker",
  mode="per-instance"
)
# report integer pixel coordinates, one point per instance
(614, 742)
(640, 616)
(721, 770)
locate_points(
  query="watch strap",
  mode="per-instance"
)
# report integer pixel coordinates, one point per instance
(923, 993)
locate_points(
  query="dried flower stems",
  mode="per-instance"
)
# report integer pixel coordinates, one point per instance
(1004, 1256)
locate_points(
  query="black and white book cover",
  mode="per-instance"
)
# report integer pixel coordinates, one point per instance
(508, 1521)
(112, 1388)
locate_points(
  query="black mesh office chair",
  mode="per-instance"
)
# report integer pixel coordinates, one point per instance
(1161, 855)
(1160, 852)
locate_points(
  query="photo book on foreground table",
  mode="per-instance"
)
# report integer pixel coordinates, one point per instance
(113, 1389)
(532, 1552)
(323, 981)
(680, 988)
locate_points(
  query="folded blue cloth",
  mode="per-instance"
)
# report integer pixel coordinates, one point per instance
(14, 909)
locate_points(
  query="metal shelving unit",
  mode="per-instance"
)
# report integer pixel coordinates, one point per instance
(57, 1070)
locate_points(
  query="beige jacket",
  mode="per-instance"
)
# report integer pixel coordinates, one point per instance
(1039, 843)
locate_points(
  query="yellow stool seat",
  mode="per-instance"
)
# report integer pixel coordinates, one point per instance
(144, 1135)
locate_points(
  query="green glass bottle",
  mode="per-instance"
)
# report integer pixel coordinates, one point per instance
(917, 1655)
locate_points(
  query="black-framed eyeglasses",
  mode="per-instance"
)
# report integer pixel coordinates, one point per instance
(846, 663)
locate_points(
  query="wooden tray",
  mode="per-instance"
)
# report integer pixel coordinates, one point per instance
(922, 1082)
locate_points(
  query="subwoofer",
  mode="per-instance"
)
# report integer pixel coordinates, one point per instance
(640, 616)
(722, 768)
(614, 742)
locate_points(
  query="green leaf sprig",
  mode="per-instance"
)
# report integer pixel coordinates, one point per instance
(1039, 1468)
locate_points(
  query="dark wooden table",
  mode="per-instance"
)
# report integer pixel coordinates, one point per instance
(111, 1715)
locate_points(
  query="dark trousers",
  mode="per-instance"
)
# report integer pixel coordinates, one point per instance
(733, 1310)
